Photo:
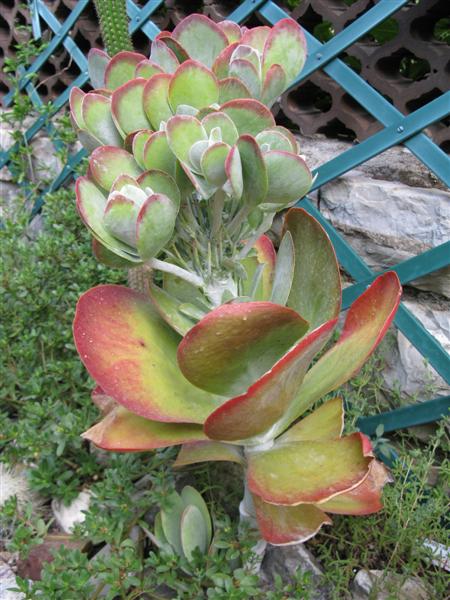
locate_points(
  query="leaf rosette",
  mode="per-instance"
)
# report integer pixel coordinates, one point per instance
(233, 385)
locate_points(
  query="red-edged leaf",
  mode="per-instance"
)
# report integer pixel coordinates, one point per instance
(194, 85)
(155, 100)
(123, 431)
(121, 68)
(235, 344)
(232, 88)
(222, 63)
(308, 472)
(325, 423)
(254, 412)
(285, 46)
(364, 499)
(127, 106)
(202, 39)
(249, 116)
(283, 525)
(131, 353)
(256, 37)
(197, 452)
(231, 30)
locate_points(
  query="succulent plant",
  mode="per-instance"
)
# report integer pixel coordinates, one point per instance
(234, 386)
(186, 173)
(184, 525)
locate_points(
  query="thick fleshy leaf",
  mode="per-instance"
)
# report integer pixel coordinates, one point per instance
(289, 135)
(222, 63)
(123, 180)
(170, 521)
(208, 451)
(76, 103)
(231, 30)
(284, 271)
(155, 101)
(108, 162)
(168, 308)
(147, 68)
(365, 326)
(194, 85)
(155, 225)
(266, 254)
(265, 401)
(289, 177)
(121, 68)
(228, 131)
(283, 525)
(307, 472)
(231, 88)
(274, 85)
(158, 155)
(129, 350)
(120, 218)
(285, 46)
(235, 344)
(127, 106)
(202, 39)
(233, 169)
(325, 423)
(256, 37)
(250, 116)
(245, 71)
(316, 288)
(364, 499)
(191, 497)
(247, 53)
(160, 183)
(164, 57)
(175, 46)
(213, 163)
(254, 173)
(91, 205)
(274, 140)
(123, 431)
(109, 258)
(193, 532)
(97, 63)
(182, 132)
(96, 111)
(138, 145)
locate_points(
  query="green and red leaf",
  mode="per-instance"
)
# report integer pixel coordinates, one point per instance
(308, 472)
(325, 423)
(233, 345)
(127, 107)
(283, 525)
(131, 353)
(249, 115)
(286, 46)
(202, 39)
(196, 452)
(108, 162)
(194, 85)
(123, 431)
(121, 68)
(155, 100)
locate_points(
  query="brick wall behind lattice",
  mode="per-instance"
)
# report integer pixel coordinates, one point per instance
(318, 105)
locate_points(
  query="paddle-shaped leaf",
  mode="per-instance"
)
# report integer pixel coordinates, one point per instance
(282, 525)
(231, 30)
(191, 497)
(131, 352)
(121, 68)
(164, 57)
(284, 271)
(254, 412)
(316, 288)
(256, 37)
(155, 225)
(155, 100)
(158, 155)
(127, 107)
(194, 85)
(120, 218)
(246, 72)
(228, 131)
(147, 68)
(308, 472)
(97, 63)
(193, 532)
(208, 451)
(123, 431)
(222, 63)
(183, 131)
(108, 162)
(235, 344)
(289, 177)
(365, 326)
(254, 174)
(285, 46)
(325, 423)
(274, 85)
(213, 163)
(232, 88)
(202, 39)
(249, 116)
(96, 113)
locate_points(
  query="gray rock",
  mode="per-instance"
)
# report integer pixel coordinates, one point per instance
(388, 222)
(377, 585)
(285, 561)
(406, 369)
(7, 581)
(396, 164)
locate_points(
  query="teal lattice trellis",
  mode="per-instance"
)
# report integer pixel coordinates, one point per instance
(397, 129)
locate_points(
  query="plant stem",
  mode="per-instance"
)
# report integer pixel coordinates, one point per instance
(113, 19)
(160, 265)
